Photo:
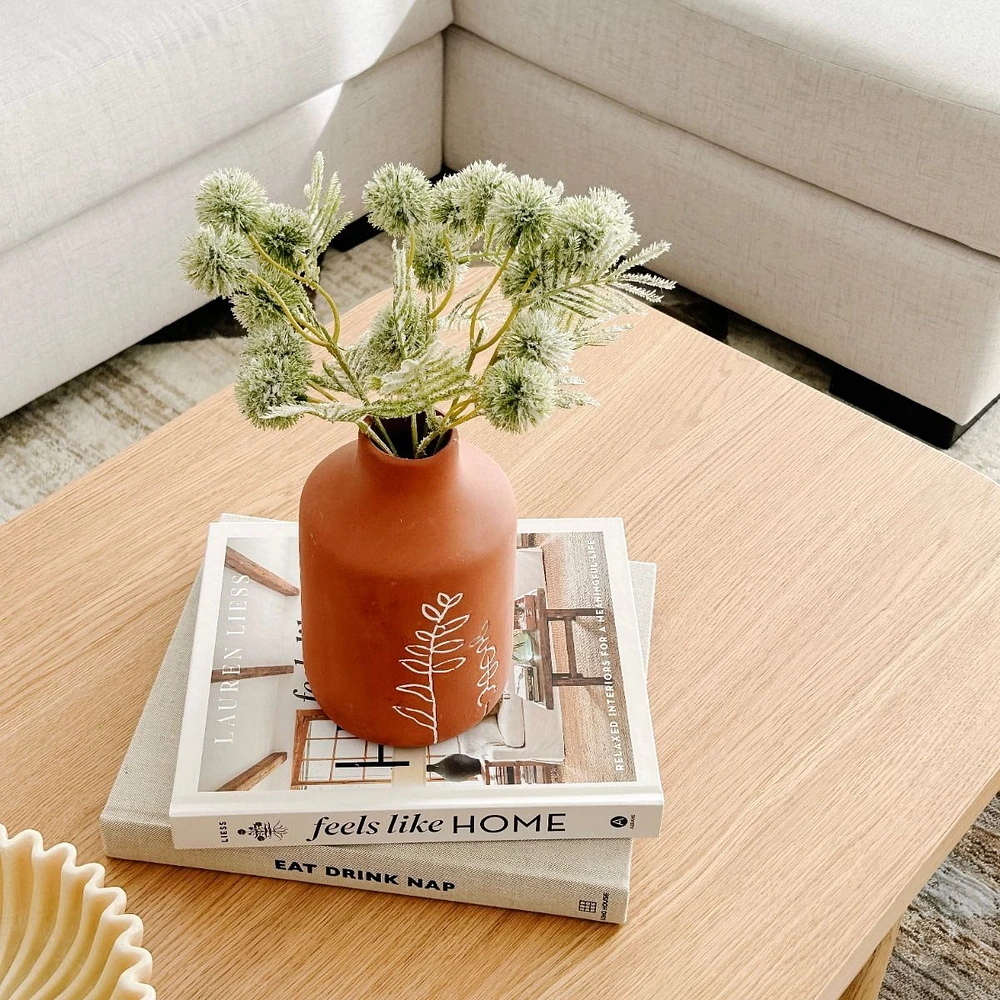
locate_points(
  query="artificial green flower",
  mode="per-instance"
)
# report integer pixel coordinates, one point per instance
(285, 234)
(536, 336)
(433, 266)
(258, 308)
(398, 198)
(231, 199)
(567, 267)
(527, 275)
(462, 201)
(617, 217)
(216, 263)
(401, 330)
(522, 211)
(515, 394)
(582, 234)
(274, 372)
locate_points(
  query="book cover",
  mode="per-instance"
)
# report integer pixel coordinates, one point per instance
(586, 879)
(567, 754)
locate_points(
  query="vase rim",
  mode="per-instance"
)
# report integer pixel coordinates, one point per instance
(439, 458)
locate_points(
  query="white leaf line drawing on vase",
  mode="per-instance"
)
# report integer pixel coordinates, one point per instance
(423, 660)
(488, 665)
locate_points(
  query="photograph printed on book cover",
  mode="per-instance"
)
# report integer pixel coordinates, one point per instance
(561, 719)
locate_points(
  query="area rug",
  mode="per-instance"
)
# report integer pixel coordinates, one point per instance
(949, 943)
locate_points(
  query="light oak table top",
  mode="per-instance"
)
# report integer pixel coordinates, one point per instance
(823, 676)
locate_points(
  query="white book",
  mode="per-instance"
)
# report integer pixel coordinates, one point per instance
(569, 753)
(588, 879)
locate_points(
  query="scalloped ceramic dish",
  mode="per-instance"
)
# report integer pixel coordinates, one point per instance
(63, 933)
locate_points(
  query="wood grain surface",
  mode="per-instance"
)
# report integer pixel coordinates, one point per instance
(868, 982)
(825, 688)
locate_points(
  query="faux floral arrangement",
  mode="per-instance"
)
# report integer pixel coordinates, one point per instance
(564, 270)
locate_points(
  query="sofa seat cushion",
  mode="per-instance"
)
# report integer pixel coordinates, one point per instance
(891, 103)
(97, 96)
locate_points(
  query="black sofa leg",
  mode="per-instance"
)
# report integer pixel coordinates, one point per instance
(896, 409)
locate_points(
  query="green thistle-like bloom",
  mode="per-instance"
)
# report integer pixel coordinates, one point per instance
(273, 372)
(536, 336)
(617, 219)
(590, 233)
(515, 394)
(527, 272)
(256, 308)
(231, 199)
(401, 330)
(581, 232)
(462, 201)
(522, 211)
(285, 234)
(432, 265)
(398, 198)
(216, 263)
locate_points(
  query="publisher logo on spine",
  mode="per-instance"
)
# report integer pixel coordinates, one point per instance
(619, 821)
(264, 831)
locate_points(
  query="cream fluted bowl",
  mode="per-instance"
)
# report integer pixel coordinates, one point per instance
(63, 933)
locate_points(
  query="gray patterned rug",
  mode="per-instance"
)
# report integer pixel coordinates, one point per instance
(949, 945)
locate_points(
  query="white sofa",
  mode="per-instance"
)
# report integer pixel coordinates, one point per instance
(111, 112)
(828, 170)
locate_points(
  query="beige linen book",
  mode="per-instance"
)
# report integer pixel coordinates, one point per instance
(588, 879)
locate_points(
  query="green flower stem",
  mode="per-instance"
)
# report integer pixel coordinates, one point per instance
(457, 406)
(473, 336)
(363, 396)
(338, 354)
(376, 440)
(310, 339)
(280, 302)
(504, 327)
(451, 286)
(302, 279)
(454, 422)
(321, 390)
(335, 350)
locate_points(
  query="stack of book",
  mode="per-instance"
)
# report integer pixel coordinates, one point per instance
(233, 766)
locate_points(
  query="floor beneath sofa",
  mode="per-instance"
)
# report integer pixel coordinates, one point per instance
(949, 946)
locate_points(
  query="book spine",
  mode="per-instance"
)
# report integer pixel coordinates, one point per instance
(572, 822)
(467, 881)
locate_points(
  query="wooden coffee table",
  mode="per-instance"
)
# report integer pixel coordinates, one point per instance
(823, 673)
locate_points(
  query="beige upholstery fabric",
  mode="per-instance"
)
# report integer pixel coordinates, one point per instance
(890, 103)
(914, 311)
(98, 96)
(115, 266)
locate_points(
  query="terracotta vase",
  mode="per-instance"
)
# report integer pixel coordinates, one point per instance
(407, 578)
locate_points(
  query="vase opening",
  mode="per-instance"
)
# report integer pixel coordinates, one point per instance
(403, 430)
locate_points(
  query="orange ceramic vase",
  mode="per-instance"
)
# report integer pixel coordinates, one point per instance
(407, 578)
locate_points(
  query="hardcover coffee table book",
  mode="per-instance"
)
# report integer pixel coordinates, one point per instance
(586, 879)
(568, 753)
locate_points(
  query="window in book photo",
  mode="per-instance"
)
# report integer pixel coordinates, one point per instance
(561, 719)
(324, 754)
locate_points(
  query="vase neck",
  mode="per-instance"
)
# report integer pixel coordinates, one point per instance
(440, 466)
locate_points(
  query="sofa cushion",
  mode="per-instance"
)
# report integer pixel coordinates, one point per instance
(97, 96)
(912, 310)
(890, 103)
(116, 263)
